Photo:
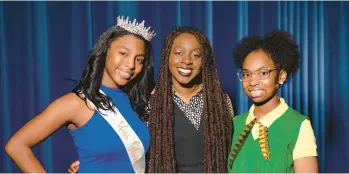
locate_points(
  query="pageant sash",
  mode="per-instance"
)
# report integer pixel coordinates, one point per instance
(129, 138)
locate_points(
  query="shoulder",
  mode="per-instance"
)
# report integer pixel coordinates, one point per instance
(241, 117)
(229, 103)
(71, 100)
(295, 115)
(306, 126)
(239, 122)
(70, 104)
(226, 95)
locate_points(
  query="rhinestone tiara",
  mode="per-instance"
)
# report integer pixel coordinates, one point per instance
(135, 28)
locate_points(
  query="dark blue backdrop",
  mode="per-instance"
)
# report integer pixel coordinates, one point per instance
(43, 44)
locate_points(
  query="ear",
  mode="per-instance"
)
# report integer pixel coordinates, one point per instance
(282, 77)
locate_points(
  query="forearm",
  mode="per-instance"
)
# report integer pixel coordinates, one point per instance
(25, 159)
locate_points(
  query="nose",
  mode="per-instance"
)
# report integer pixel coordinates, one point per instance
(254, 80)
(130, 62)
(186, 59)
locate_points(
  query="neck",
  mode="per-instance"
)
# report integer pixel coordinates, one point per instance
(261, 110)
(186, 92)
(108, 81)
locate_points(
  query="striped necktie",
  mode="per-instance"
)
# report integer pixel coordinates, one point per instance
(263, 141)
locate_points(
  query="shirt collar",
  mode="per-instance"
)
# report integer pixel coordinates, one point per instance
(174, 92)
(268, 119)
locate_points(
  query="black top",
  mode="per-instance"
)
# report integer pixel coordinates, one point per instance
(189, 132)
(189, 143)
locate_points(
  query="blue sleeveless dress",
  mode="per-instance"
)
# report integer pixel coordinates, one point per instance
(100, 148)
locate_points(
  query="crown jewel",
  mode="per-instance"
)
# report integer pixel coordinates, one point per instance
(136, 28)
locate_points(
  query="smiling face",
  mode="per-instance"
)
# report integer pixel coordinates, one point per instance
(185, 59)
(124, 61)
(261, 90)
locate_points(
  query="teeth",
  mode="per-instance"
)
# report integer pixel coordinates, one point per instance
(256, 93)
(126, 75)
(186, 71)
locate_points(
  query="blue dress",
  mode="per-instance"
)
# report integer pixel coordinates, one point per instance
(100, 147)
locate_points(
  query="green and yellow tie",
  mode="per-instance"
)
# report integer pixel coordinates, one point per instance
(263, 141)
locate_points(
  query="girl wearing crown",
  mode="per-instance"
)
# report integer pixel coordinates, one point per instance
(102, 111)
(271, 136)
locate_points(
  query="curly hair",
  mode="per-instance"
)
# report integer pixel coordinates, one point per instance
(216, 112)
(278, 44)
(138, 89)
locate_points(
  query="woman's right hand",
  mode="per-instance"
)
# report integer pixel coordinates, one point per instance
(74, 167)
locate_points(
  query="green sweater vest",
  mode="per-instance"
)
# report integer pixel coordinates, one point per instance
(282, 134)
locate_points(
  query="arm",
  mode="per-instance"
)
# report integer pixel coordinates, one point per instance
(306, 165)
(38, 129)
(305, 154)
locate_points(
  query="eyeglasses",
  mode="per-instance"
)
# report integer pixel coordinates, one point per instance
(260, 74)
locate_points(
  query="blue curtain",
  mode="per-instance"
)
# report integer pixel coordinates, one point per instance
(44, 44)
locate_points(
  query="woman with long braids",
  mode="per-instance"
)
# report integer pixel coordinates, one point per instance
(189, 117)
(102, 112)
(271, 137)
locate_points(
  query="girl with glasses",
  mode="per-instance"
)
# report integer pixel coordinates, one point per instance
(271, 136)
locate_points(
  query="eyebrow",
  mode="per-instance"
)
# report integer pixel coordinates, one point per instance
(121, 46)
(263, 67)
(199, 49)
(142, 54)
(178, 46)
